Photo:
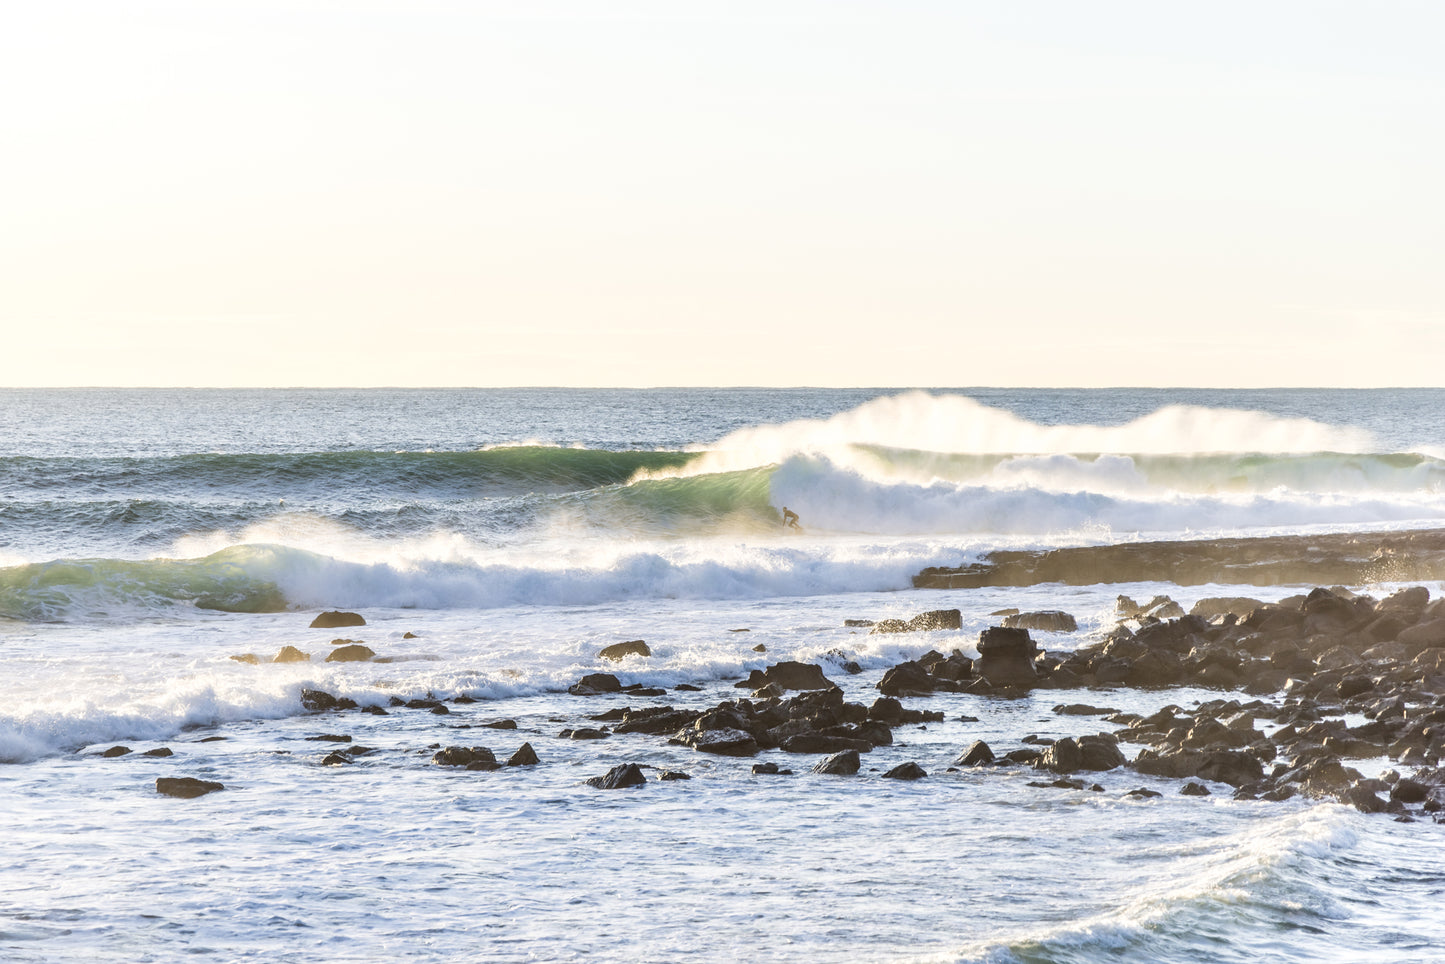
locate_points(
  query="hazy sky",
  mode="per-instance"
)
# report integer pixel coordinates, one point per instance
(674, 193)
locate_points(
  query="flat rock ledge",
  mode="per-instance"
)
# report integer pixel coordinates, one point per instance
(1339, 558)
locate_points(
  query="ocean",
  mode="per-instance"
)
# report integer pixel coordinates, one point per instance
(495, 541)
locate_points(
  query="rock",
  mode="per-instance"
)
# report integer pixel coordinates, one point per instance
(792, 675)
(668, 776)
(760, 648)
(906, 771)
(934, 620)
(329, 738)
(1006, 657)
(1143, 793)
(461, 756)
(336, 619)
(1409, 791)
(768, 769)
(290, 654)
(595, 683)
(825, 743)
(408, 635)
(499, 725)
(839, 764)
(318, 701)
(1362, 799)
(1099, 752)
(186, 787)
(858, 623)
(116, 751)
(584, 733)
(1234, 767)
(160, 751)
(1194, 789)
(1064, 756)
(351, 653)
(725, 742)
(907, 679)
(524, 757)
(618, 651)
(888, 626)
(977, 754)
(250, 659)
(1221, 605)
(623, 775)
(336, 758)
(1049, 621)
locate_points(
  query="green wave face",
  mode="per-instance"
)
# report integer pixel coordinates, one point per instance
(231, 580)
(436, 474)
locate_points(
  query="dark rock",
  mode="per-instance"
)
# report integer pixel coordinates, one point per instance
(858, 623)
(461, 756)
(1193, 789)
(499, 725)
(408, 635)
(667, 776)
(160, 751)
(1006, 657)
(977, 754)
(1143, 793)
(617, 651)
(906, 771)
(726, 742)
(329, 738)
(524, 757)
(584, 733)
(760, 648)
(336, 758)
(907, 679)
(792, 675)
(186, 787)
(825, 743)
(116, 751)
(623, 775)
(1064, 756)
(595, 683)
(351, 653)
(888, 626)
(336, 619)
(320, 701)
(839, 764)
(1363, 800)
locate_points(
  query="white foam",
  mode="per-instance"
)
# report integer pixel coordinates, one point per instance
(958, 424)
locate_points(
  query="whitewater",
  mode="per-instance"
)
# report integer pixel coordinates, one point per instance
(496, 540)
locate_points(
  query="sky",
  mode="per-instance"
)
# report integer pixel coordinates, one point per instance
(629, 193)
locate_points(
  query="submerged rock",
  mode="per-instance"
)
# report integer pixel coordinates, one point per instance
(906, 771)
(186, 787)
(1050, 621)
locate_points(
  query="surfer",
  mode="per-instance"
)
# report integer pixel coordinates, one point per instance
(790, 519)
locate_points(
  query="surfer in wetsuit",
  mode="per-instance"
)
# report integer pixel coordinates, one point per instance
(790, 519)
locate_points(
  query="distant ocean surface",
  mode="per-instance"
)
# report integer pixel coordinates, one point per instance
(147, 536)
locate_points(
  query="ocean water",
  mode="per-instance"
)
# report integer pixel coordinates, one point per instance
(496, 540)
